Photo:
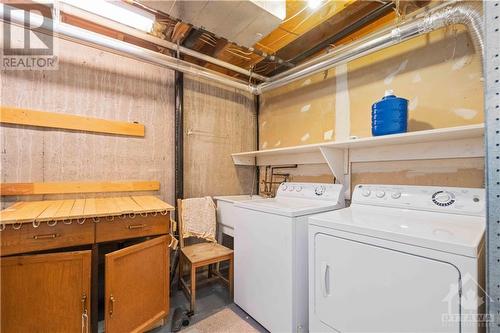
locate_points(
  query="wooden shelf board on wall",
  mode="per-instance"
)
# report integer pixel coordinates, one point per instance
(76, 187)
(17, 116)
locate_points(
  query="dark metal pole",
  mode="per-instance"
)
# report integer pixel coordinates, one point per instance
(179, 155)
(179, 135)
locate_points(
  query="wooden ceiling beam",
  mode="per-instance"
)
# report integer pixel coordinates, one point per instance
(181, 32)
(338, 26)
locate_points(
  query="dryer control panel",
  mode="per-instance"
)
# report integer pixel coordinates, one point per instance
(454, 200)
(313, 191)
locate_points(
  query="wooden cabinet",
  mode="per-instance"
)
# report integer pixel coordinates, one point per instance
(137, 286)
(46, 292)
(44, 237)
(52, 292)
(59, 291)
(139, 226)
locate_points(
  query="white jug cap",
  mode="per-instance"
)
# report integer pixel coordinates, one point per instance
(389, 92)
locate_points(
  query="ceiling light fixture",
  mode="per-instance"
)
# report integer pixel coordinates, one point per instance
(117, 11)
(314, 4)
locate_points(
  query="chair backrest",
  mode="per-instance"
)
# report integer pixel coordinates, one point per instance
(196, 218)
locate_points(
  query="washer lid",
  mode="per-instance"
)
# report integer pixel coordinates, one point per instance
(291, 207)
(458, 234)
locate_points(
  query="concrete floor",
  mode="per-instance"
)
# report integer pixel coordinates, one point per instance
(211, 297)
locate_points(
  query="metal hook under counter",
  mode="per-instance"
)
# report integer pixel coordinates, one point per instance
(52, 223)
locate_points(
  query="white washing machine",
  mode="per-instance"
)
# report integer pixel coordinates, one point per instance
(270, 253)
(399, 259)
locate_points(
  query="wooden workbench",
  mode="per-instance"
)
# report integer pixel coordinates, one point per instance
(50, 261)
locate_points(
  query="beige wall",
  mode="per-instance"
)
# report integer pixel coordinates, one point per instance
(97, 84)
(218, 121)
(439, 73)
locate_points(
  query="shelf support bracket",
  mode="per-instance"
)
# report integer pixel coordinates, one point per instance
(335, 158)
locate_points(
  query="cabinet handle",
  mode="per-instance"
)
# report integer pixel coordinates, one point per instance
(47, 236)
(136, 226)
(111, 305)
(325, 283)
(85, 317)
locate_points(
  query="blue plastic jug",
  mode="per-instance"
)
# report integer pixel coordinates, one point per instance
(390, 115)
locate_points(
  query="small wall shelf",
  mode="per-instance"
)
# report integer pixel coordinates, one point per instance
(451, 142)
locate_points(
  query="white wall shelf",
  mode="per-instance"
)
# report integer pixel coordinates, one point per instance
(451, 142)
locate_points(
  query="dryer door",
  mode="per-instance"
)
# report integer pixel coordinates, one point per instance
(365, 288)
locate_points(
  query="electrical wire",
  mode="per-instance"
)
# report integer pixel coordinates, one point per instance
(207, 41)
(261, 69)
(294, 15)
(238, 55)
(209, 37)
(240, 51)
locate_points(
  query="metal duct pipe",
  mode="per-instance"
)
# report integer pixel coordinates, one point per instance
(467, 14)
(79, 35)
(71, 10)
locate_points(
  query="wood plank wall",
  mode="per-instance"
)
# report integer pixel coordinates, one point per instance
(218, 121)
(99, 84)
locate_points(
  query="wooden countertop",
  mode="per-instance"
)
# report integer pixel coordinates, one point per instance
(58, 210)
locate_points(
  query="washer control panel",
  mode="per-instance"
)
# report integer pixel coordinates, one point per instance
(315, 191)
(456, 200)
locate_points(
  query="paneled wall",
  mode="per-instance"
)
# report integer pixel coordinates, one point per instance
(218, 121)
(99, 84)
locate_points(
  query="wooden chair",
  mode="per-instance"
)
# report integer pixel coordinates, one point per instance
(200, 255)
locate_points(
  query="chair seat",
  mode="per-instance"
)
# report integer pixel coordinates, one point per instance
(202, 252)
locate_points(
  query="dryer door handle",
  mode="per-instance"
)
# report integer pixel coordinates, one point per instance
(325, 279)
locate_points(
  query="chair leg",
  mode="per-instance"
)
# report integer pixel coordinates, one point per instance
(231, 277)
(181, 264)
(193, 287)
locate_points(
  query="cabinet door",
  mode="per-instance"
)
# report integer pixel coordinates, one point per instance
(46, 292)
(137, 286)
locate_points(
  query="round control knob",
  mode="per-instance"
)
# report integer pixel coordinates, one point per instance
(290, 189)
(443, 198)
(366, 192)
(396, 195)
(298, 188)
(380, 194)
(283, 187)
(319, 190)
